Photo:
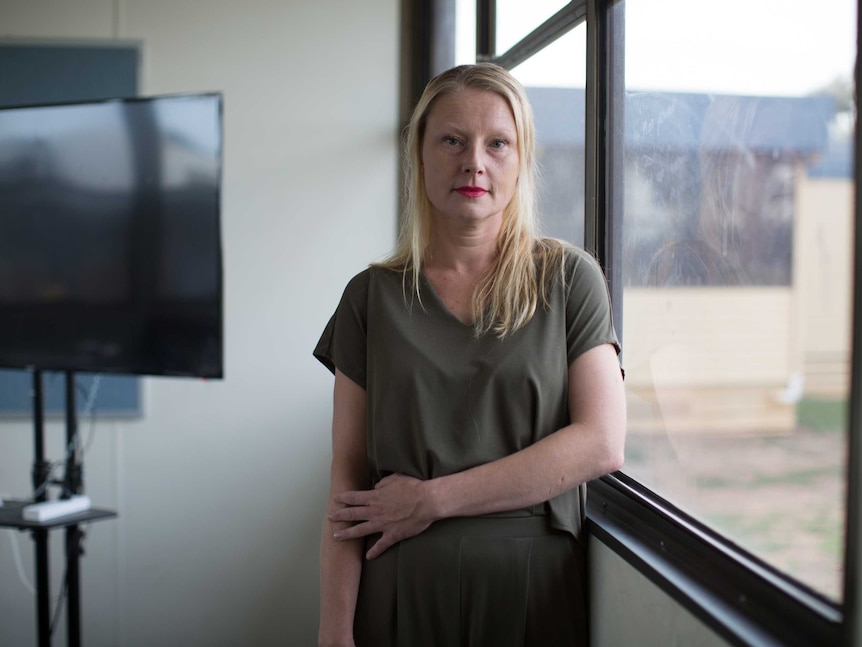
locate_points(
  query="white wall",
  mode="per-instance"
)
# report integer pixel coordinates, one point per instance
(630, 611)
(221, 485)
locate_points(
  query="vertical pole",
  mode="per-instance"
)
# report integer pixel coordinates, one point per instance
(73, 583)
(40, 467)
(43, 588)
(72, 486)
(73, 483)
(40, 535)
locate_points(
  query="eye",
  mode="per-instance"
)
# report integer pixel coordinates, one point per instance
(451, 141)
(499, 143)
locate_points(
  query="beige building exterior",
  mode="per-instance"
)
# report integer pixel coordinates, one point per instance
(737, 359)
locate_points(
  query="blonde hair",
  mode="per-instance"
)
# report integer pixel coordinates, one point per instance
(506, 298)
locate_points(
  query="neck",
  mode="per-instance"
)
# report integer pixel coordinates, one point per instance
(463, 250)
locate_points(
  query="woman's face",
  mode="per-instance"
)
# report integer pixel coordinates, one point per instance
(470, 160)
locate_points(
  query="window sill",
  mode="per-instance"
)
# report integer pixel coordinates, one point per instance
(743, 599)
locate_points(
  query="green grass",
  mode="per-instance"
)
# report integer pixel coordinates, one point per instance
(832, 541)
(752, 532)
(714, 482)
(822, 416)
(804, 477)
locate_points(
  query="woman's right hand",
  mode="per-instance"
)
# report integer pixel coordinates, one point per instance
(398, 507)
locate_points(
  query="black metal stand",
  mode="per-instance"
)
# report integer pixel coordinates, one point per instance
(72, 484)
(41, 472)
(11, 515)
(43, 588)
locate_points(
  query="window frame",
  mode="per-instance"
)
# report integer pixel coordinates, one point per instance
(742, 598)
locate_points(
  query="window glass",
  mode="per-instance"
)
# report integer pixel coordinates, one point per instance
(516, 19)
(554, 80)
(465, 32)
(736, 216)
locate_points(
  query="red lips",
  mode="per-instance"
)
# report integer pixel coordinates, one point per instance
(471, 191)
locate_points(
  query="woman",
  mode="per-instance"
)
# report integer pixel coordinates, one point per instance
(477, 386)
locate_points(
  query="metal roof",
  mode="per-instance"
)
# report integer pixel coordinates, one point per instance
(668, 121)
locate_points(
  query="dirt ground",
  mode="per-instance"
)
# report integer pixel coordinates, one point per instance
(781, 497)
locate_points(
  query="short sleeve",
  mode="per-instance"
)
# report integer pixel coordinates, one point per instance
(589, 318)
(343, 344)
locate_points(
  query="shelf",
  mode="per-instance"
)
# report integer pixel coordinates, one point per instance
(11, 516)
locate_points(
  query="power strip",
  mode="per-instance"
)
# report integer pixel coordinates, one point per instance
(48, 510)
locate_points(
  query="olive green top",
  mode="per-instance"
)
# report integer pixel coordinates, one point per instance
(439, 399)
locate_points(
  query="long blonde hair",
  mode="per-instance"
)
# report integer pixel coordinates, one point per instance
(506, 298)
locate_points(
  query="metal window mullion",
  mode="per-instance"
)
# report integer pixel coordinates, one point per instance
(486, 29)
(558, 25)
(853, 532)
(603, 142)
(595, 153)
(613, 55)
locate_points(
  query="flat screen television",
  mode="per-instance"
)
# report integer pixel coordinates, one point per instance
(110, 236)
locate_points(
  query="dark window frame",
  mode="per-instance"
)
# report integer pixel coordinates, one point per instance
(743, 599)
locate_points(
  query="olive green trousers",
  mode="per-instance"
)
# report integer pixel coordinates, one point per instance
(476, 582)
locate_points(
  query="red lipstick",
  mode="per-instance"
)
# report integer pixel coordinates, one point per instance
(471, 191)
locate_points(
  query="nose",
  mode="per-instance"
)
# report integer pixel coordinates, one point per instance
(473, 162)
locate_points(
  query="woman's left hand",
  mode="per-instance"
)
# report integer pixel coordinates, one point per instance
(397, 508)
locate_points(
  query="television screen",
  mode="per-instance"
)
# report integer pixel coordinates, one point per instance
(110, 242)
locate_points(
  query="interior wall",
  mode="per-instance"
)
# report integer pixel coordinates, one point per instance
(628, 609)
(220, 486)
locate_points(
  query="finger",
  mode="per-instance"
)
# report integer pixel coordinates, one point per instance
(379, 547)
(347, 514)
(354, 532)
(353, 497)
(385, 481)
(353, 513)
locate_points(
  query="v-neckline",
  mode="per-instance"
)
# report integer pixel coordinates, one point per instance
(442, 304)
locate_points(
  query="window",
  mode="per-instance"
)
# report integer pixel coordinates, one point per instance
(556, 92)
(705, 152)
(516, 18)
(736, 221)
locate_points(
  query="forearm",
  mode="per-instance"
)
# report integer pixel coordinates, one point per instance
(538, 473)
(340, 570)
(402, 506)
(341, 561)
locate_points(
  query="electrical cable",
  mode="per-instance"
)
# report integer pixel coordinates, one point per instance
(50, 477)
(90, 393)
(72, 451)
(75, 449)
(63, 592)
(19, 563)
(90, 410)
(52, 467)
